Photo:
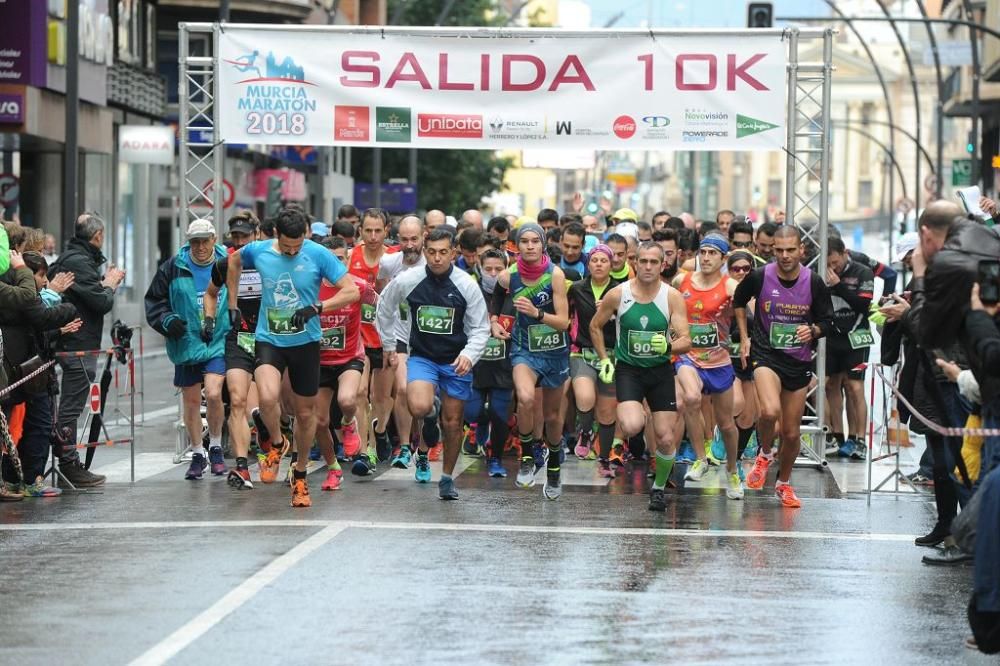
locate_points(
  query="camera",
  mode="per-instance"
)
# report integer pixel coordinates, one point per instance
(989, 281)
(121, 338)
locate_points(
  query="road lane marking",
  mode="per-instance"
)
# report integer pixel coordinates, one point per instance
(173, 644)
(471, 527)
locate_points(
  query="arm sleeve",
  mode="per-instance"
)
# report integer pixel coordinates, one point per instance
(822, 305)
(497, 302)
(41, 318)
(985, 336)
(157, 300)
(859, 299)
(889, 278)
(749, 288)
(386, 313)
(219, 269)
(911, 320)
(477, 326)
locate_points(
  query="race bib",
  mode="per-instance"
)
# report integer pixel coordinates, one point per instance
(201, 307)
(782, 336)
(704, 336)
(734, 349)
(543, 338)
(279, 321)
(435, 320)
(496, 350)
(367, 313)
(250, 285)
(247, 343)
(333, 339)
(640, 343)
(861, 338)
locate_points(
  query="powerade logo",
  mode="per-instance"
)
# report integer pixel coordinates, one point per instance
(449, 126)
(746, 126)
(624, 127)
(700, 136)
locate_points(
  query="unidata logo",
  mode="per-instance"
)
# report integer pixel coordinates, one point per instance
(449, 126)
(624, 127)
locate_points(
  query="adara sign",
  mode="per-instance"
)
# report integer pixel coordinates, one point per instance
(146, 144)
(437, 88)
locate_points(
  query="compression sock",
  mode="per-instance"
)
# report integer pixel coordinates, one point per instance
(605, 438)
(241, 462)
(335, 465)
(664, 465)
(584, 421)
(527, 444)
(839, 436)
(296, 474)
(743, 440)
(553, 464)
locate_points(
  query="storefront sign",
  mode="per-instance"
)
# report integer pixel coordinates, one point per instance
(11, 108)
(483, 89)
(22, 48)
(146, 144)
(10, 189)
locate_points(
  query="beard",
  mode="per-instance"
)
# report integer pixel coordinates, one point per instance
(669, 272)
(411, 255)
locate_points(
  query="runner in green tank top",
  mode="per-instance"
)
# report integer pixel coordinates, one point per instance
(652, 323)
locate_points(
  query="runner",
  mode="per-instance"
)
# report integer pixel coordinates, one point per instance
(442, 351)
(492, 383)
(584, 364)
(174, 309)
(240, 358)
(539, 354)
(707, 369)
(288, 335)
(792, 310)
(650, 322)
(411, 255)
(740, 263)
(342, 361)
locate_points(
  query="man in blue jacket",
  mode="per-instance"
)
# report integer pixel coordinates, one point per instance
(174, 309)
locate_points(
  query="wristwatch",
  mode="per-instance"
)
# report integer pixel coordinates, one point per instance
(541, 315)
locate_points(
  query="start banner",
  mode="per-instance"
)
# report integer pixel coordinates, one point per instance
(495, 89)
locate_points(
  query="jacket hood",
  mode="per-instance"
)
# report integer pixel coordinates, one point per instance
(84, 246)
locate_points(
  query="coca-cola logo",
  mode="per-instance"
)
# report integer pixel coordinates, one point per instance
(450, 125)
(624, 127)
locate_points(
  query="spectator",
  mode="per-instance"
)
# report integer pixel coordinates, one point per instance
(49, 251)
(93, 297)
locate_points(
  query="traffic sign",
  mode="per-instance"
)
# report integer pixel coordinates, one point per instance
(205, 200)
(95, 398)
(10, 189)
(961, 173)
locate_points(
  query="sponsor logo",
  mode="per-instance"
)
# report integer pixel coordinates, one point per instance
(350, 123)
(392, 124)
(500, 128)
(747, 126)
(624, 127)
(450, 125)
(705, 118)
(656, 122)
(269, 68)
(564, 127)
(700, 136)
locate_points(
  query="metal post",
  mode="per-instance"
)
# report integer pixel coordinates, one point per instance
(183, 101)
(71, 153)
(218, 150)
(974, 39)
(791, 120)
(940, 101)
(377, 177)
(131, 421)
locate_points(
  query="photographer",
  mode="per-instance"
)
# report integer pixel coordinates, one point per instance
(93, 296)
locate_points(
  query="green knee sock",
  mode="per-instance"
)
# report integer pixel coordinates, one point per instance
(664, 465)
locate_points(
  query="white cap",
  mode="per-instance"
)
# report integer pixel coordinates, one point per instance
(200, 229)
(627, 229)
(450, 221)
(906, 244)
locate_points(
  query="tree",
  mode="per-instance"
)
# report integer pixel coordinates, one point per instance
(452, 180)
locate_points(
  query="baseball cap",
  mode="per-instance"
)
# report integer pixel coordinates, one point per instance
(627, 229)
(319, 229)
(623, 214)
(200, 229)
(906, 244)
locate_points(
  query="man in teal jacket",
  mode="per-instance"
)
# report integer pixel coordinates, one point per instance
(174, 309)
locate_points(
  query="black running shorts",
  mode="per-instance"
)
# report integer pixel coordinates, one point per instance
(301, 361)
(654, 385)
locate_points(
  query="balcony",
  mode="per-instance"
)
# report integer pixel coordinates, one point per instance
(294, 10)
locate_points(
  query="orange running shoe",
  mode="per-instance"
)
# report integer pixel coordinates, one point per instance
(757, 475)
(435, 452)
(300, 493)
(786, 494)
(269, 462)
(617, 455)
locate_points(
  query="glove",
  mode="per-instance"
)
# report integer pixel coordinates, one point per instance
(606, 373)
(659, 343)
(876, 317)
(303, 315)
(235, 319)
(208, 329)
(176, 328)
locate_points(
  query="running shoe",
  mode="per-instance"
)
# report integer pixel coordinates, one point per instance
(741, 472)
(217, 460)
(697, 470)
(495, 469)
(39, 489)
(568, 442)
(423, 473)
(584, 444)
(920, 479)
(540, 454)
(553, 486)
(657, 500)
(446, 489)
(651, 468)
(526, 474)
(757, 475)
(717, 450)
(847, 448)
(263, 434)
(605, 470)
(338, 450)
(364, 464)
(383, 445)
(786, 494)
(435, 451)
(300, 493)
(333, 477)
(268, 464)
(469, 446)
(734, 489)
(351, 441)
(197, 467)
(686, 453)
(830, 445)
(314, 452)
(617, 456)
(239, 479)
(860, 451)
(750, 452)
(402, 458)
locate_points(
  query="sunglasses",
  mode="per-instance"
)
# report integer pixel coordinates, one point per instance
(742, 268)
(742, 243)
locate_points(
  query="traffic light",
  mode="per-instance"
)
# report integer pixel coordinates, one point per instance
(970, 147)
(274, 185)
(760, 14)
(592, 208)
